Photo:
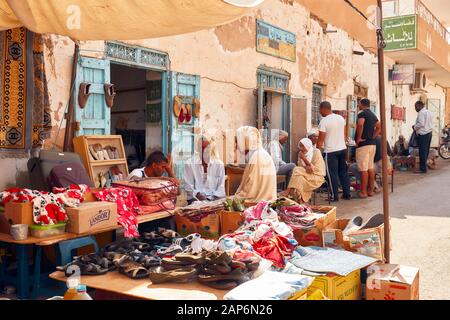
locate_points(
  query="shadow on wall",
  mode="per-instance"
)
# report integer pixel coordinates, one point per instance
(14, 173)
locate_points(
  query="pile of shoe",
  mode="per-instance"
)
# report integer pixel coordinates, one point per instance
(90, 264)
(215, 269)
(97, 152)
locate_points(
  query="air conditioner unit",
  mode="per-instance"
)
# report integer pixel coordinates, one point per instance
(420, 81)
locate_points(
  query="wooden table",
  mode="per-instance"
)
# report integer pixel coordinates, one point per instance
(144, 289)
(22, 246)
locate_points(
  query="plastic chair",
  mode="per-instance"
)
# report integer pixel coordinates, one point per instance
(66, 254)
(67, 247)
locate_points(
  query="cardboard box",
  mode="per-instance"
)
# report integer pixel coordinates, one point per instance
(392, 282)
(230, 221)
(337, 287)
(91, 216)
(313, 236)
(18, 213)
(368, 242)
(208, 227)
(334, 238)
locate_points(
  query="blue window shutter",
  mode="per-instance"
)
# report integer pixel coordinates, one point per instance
(95, 117)
(182, 134)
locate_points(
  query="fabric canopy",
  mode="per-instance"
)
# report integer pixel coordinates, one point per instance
(119, 19)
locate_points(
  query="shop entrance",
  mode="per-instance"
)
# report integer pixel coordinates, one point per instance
(274, 110)
(136, 114)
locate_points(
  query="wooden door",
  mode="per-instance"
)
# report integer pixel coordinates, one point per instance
(298, 125)
(95, 117)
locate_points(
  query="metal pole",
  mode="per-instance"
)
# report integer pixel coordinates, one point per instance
(384, 158)
(69, 132)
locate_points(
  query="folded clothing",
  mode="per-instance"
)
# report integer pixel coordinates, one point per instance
(270, 285)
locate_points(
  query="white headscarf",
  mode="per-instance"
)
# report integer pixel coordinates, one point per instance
(248, 138)
(307, 143)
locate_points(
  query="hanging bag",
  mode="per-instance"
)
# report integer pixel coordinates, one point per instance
(413, 140)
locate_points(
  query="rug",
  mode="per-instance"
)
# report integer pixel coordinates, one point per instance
(25, 109)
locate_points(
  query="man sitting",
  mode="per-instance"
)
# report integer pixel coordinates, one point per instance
(275, 148)
(157, 165)
(402, 157)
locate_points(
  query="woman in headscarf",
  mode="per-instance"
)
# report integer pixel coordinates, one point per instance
(309, 174)
(259, 181)
(204, 173)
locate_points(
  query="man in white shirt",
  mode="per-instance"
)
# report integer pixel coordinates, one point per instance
(204, 173)
(423, 129)
(332, 140)
(275, 148)
(157, 164)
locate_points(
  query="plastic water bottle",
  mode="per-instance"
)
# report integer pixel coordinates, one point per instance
(82, 293)
(72, 285)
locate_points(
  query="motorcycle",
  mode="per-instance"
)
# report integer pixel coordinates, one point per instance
(444, 147)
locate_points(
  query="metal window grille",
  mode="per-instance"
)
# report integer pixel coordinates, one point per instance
(317, 98)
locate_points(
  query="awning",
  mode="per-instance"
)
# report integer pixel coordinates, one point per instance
(120, 19)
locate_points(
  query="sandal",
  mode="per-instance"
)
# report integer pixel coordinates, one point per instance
(157, 275)
(222, 285)
(131, 268)
(191, 258)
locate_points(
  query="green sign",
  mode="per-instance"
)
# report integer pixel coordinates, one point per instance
(400, 33)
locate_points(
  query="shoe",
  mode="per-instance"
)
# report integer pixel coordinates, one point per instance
(353, 225)
(109, 94)
(83, 94)
(158, 275)
(188, 113)
(347, 197)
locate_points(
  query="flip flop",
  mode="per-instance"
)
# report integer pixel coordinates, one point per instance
(235, 275)
(191, 257)
(361, 196)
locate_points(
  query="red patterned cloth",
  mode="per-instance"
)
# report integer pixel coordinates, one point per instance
(48, 208)
(274, 249)
(127, 208)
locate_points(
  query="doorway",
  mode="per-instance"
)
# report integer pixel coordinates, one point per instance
(137, 111)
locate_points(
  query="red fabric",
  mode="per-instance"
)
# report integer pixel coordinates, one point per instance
(274, 249)
(127, 208)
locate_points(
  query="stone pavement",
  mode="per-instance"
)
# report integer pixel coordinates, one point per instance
(420, 225)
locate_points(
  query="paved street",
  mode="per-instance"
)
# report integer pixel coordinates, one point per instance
(420, 211)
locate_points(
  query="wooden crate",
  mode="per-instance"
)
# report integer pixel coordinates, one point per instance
(94, 167)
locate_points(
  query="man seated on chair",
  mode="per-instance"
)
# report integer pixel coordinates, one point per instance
(259, 181)
(157, 164)
(401, 154)
(275, 148)
(310, 173)
(204, 173)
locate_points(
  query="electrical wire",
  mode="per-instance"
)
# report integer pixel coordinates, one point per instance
(227, 82)
(360, 13)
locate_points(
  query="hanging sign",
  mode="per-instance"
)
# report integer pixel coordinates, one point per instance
(275, 41)
(398, 113)
(400, 32)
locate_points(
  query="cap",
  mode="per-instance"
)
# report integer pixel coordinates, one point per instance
(81, 288)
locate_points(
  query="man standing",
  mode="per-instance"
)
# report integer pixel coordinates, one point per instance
(423, 129)
(332, 140)
(368, 128)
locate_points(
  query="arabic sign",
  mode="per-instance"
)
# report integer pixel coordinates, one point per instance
(398, 113)
(400, 33)
(403, 74)
(275, 41)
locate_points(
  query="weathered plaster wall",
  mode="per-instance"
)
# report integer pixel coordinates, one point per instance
(226, 59)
